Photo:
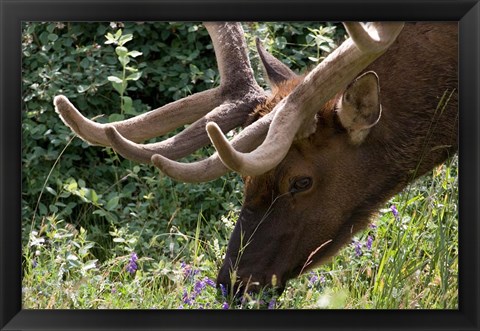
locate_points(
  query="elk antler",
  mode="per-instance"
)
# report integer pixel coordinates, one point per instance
(232, 101)
(366, 43)
(212, 167)
(237, 95)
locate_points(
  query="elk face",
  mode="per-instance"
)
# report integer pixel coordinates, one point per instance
(297, 215)
(302, 211)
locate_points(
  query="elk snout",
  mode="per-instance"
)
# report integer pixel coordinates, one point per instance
(233, 284)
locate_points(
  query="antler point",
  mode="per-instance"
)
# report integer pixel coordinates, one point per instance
(61, 103)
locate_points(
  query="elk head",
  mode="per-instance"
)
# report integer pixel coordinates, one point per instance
(319, 155)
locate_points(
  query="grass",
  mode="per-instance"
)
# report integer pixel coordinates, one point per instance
(407, 258)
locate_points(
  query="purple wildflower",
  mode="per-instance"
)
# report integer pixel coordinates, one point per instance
(369, 242)
(209, 282)
(132, 263)
(373, 226)
(199, 286)
(223, 289)
(225, 305)
(395, 212)
(313, 279)
(188, 271)
(34, 263)
(358, 248)
(271, 304)
(186, 299)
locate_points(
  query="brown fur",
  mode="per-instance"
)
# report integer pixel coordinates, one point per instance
(278, 93)
(350, 182)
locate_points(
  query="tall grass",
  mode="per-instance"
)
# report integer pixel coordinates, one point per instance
(407, 259)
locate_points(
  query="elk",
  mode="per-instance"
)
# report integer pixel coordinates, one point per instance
(319, 154)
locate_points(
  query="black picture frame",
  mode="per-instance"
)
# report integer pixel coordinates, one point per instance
(13, 12)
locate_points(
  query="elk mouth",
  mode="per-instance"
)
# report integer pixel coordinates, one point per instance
(240, 287)
(246, 291)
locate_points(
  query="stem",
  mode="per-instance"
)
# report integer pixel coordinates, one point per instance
(124, 86)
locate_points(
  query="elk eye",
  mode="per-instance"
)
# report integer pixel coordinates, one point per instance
(300, 184)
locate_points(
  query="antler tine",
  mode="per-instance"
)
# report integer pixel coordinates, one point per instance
(237, 95)
(212, 167)
(185, 142)
(145, 126)
(197, 172)
(371, 37)
(319, 86)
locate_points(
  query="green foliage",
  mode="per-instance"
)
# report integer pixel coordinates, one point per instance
(103, 232)
(120, 81)
(298, 45)
(75, 63)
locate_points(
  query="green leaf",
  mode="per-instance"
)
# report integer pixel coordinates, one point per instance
(89, 195)
(44, 37)
(134, 53)
(124, 39)
(100, 212)
(85, 63)
(82, 88)
(115, 79)
(84, 250)
(52, 37)
(89, 265)
(280, 42)
(121, 51)
(53, 209)
(119, 87)
(131, 69)
(30, 29)
(51, 190)
(71, 185)
(110, 39)
(51, 27)
(124, 60)
(325, 48)
(43, 209)
(112, 203)
(72, 257)
(65, 194)
(116, 117)
(127, 105)
(134, 76)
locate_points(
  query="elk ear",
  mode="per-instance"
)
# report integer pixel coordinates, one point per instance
(277, 72)
(359, 108)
